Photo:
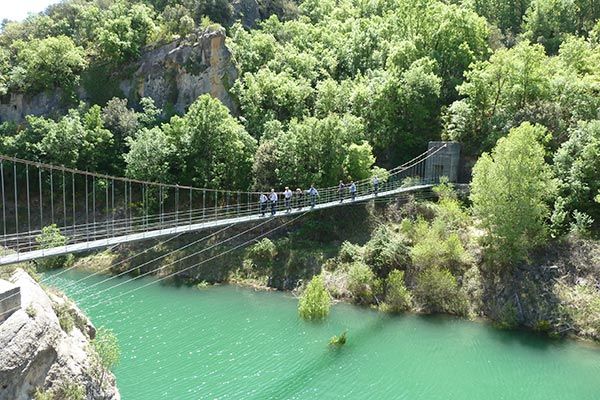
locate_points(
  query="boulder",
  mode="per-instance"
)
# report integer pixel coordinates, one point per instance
(36, 353)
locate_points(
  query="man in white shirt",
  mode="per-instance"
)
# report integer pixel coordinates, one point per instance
(313, 193)
(262, 200)
(287, 194)
(273, 199)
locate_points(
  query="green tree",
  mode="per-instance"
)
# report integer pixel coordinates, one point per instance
(52, 237)
(577, 167)
(314, 150)
(514, 180)
(497, 92)
(358, 161)
(122, 35)
(47, 63)
(548, 22)
(212, 148)
(79, 139)
(315, 300)
(266, 96)
(150, 156)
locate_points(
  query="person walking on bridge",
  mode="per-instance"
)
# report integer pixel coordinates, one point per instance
(299, 198)
(352, 190)
(262, 200)
(287, 195)
(273, 199)
(341, 188)
(313, 193)
(376, 185)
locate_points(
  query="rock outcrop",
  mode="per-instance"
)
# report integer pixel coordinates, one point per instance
(177, 73)
(37, 354)
(173, 75)
(247, 12)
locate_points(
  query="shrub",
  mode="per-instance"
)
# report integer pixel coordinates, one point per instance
(581, 305)
(69, 391)
(435, 247)
(65, 319)
(582, 224)
(315, 301)
(106, 346)
(61, 391)
(350, 252)
(51, 237)
(338, 340)
(450, 212)
(386, 251)
(262, 254)
(41, 394)
(437, 291)
(397, 298)
(31, 311)
(361, 282)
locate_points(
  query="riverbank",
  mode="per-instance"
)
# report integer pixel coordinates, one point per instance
(435, 245)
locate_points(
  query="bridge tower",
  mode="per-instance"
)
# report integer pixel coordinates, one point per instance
(445, 162)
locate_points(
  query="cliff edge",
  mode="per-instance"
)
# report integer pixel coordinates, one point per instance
(41, 353)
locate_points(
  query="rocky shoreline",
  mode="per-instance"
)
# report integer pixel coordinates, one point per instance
(44, 357)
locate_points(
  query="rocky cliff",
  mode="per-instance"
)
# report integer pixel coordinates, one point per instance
(177, 73)
(173, 75)
(38, 354)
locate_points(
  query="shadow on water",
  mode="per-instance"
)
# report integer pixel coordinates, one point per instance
(286, 387)
(508, 337)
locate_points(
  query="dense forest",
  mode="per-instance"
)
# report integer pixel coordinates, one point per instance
(331, 90)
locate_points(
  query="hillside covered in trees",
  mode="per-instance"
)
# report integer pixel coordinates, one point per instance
(332, 90)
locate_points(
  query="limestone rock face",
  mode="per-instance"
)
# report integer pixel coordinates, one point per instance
(247, 11)
(35, 352)
(179, 72)
(173, 75)
(15, 106)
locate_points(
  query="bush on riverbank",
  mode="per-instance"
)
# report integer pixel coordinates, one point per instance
(438, 292)
(397, 297)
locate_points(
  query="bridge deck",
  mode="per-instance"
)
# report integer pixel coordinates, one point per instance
(153, 234)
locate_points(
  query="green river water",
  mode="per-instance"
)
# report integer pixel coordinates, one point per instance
(230, 343)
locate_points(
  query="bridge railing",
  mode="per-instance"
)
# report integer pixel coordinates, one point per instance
(86, 206)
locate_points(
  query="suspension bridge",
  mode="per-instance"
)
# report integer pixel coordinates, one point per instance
(94, 211)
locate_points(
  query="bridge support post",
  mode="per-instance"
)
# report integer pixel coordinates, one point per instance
(445, 162)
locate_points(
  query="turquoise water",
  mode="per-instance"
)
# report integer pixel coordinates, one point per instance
(231, 343)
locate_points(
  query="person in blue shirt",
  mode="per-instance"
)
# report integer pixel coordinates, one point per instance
(273, 199)
(352, 190)
(313, 193)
